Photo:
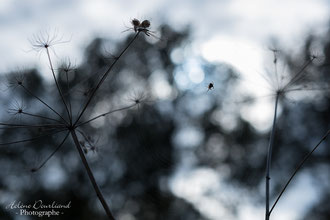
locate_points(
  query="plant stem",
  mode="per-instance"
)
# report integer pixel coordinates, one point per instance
(91, 176)
(104, 77)
(32, 139)
(40, 116)
(298, 168)
(68, 85)
(52, 154)
(43, 102)
(269, 157)
(57, 85)
(105, 114)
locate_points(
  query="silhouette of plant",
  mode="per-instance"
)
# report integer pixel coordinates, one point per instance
(71, 120)
(281, 85)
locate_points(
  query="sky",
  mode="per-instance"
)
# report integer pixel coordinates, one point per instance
(237, 32)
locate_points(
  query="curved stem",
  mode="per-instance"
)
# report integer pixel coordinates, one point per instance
(297, 169)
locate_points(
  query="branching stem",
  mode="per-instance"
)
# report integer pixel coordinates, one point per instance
(43, 102)
(52, 154)
(104, 77)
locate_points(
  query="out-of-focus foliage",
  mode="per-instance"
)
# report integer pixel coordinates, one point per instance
(133, 155)
(138, 150)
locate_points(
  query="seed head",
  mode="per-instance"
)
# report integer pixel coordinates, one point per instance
(17, 108)
(16, 79)
(67, 66)
(136, 24)
(46, 39)
(145, 24)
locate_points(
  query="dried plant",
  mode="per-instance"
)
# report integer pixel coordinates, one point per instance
(68, 123)
(281, 85)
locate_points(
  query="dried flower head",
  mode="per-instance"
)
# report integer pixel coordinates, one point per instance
(280, 82)
(138, 97)
(142, 27)
(15, 79)
(67, 66)
(136, 24)
(145, 24)
(17, 108)
(46, 39)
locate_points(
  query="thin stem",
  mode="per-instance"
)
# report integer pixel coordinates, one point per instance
(251, 99)
(52, 154)
(103, 78)
(40, 116)
(91, 176)
(275, 69)
(40, 100)
(31, 139)
(307, 89)
(297, 169)
(57, 85)
(298, 76)
(68, 85)
(269, 157)
(32, 126)
(105, 114)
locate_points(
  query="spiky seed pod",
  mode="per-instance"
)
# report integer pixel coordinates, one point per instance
(136, 24)
(145, 24)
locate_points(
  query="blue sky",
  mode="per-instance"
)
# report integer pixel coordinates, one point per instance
(237, 32)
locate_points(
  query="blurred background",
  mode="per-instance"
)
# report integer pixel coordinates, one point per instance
(184, 152)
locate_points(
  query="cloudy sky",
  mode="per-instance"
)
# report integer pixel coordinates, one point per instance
(234, 31)
(220, 27)
(237, 32)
